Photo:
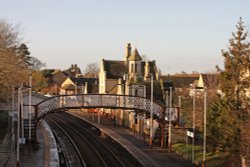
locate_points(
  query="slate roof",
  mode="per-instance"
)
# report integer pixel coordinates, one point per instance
(116, 69)
(59, 77)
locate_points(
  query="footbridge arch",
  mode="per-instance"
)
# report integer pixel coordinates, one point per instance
(112, 101)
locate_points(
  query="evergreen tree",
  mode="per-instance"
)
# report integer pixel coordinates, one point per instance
(223, 126)
(227, 114)
(24, 54)
(234, 80)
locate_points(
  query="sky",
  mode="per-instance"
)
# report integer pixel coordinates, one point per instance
(179, 35)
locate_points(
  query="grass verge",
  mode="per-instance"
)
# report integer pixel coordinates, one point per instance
(212, 159)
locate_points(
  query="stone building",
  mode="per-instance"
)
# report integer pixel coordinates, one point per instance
(128, 76)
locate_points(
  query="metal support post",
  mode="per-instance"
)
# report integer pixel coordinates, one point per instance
(205, 128)
(30, 91)
(123, 111)
(144, 118)
(22, 126)
(193, 138)
(12, 119)
(179, 105)
(187, 144)
(18, 125)
(151, 112)
(99, 119)
(163, 131)
(170, 120)
(114, 114)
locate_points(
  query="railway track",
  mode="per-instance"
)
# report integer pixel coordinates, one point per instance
(69, 153)
(92, 151)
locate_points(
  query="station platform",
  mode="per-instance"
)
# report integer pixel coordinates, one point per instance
(6, 156)
(135, 143)
(46, 155)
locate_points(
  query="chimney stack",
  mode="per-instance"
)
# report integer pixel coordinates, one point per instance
(128, 51)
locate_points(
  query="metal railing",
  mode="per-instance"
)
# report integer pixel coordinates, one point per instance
(61, 102)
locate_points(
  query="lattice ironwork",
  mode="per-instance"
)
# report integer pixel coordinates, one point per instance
(56, 103)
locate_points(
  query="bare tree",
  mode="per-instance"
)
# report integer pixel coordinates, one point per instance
(36, 64)
(92, 70)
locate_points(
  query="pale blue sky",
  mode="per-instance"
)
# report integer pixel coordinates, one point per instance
(180, 35)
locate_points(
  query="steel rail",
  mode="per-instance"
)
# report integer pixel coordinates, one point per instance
(71, 129)
(96, 139)
(71, 141)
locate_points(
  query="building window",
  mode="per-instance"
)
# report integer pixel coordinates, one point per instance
(135, 68)
(132, 68)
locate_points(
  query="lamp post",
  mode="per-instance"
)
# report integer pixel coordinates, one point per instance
(124, 103)
(151, 112)
(20, 136)
(179, 105)
(170, 120)
(205, 128)
(12, 120)
(13, 99)
(30, 91)
(193, 124)
(18, 124)
(167, 107)
(21, 102)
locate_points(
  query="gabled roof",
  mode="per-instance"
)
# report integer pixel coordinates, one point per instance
(116, 69)
(135, 56)
(92, 84)
(59, 77)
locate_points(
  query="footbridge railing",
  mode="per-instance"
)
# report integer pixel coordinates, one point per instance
(112, 101)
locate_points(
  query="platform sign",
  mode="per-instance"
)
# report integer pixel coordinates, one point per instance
(21, 141)
(174, 114)
(190, 134)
